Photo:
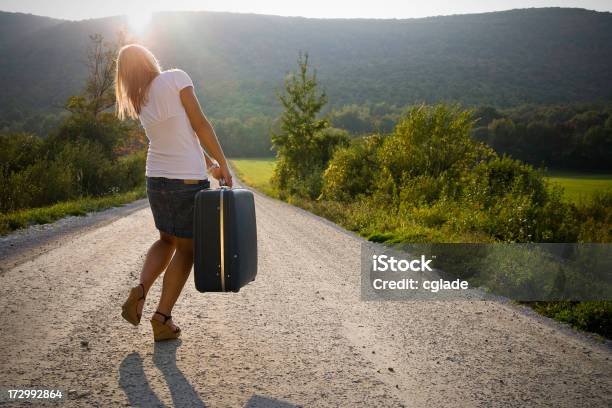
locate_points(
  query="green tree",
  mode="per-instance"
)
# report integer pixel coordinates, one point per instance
(304, 143)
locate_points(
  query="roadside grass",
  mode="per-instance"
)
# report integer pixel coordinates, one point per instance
(592, 316)
(579, 186)
(256, 173)
(44, 215)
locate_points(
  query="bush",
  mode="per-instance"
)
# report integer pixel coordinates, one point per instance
(590, 316)
(499, 177)
(40, 183)
(130, 171)
(19, 150)
(431, 141)
(430, 172)
(70, 164)
(301, 172)
(519, 204)
(104, 130)
(594, 218)
(352, 170)
(420, 190)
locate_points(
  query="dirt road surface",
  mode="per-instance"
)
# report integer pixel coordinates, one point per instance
(297, 336)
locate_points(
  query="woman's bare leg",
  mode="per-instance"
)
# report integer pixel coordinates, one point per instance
(175, 277)
(157, 259)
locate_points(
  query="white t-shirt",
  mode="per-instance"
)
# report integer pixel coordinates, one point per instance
(174, 149)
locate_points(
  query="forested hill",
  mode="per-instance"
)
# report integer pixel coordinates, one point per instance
(238, 61)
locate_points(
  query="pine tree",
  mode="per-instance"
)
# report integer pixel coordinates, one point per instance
(305, 143)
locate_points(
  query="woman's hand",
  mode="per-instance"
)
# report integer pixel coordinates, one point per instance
(221, 173)
(226, 176)
(215, 171)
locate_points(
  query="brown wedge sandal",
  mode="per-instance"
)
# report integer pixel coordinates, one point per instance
(130, 307)
(161, 331)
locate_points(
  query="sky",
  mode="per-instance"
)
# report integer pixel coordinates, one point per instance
(84, 9)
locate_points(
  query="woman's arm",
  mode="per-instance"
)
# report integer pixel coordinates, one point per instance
(204, 130)
(209, 162)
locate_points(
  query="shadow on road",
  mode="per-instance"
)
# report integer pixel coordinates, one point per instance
(133, 381)
(164, 358)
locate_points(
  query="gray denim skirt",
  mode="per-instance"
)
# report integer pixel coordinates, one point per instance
(172, 204)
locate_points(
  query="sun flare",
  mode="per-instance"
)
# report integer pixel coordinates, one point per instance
(139, 20)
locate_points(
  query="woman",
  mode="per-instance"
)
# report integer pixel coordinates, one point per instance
(169, 111)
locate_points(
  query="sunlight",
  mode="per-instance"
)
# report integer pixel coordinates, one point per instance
(139, 20)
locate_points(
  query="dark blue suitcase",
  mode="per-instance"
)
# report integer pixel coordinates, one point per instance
(225, 239)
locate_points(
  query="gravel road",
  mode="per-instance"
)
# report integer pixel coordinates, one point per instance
(297, 336)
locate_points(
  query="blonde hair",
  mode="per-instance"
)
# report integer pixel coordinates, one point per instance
(136, 68)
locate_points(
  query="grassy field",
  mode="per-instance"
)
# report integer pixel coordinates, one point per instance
(21, 219)
(255, 173)
(580, 185)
